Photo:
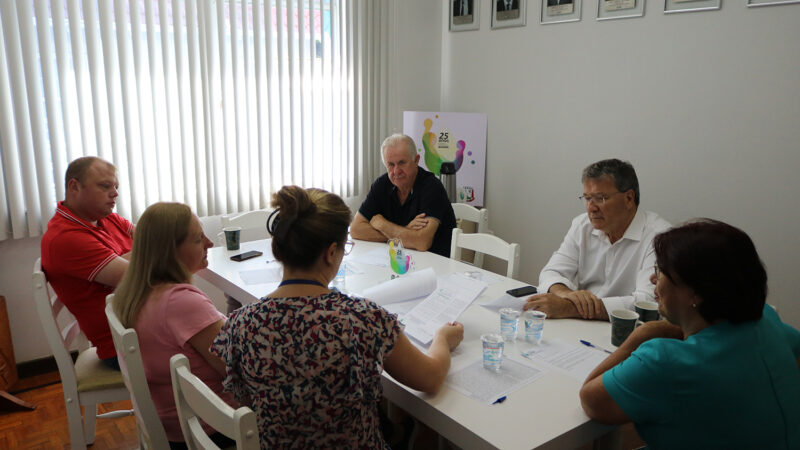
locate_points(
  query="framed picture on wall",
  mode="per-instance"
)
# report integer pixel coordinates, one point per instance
(465, 15)
(679, 6)
(508, 13)
(756, 3)
(560, 11)
(620, 9)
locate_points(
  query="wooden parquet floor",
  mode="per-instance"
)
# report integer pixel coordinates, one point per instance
(46, 426)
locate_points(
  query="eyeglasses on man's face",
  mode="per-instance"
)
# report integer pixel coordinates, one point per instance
(597, 199)
(348, 247)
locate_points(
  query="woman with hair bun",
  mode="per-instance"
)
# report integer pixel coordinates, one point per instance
(309, 359)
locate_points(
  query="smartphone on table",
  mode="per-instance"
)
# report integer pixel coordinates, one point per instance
(246, 255)
(522, 291)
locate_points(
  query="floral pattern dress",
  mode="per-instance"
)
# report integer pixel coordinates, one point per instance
(310, 368)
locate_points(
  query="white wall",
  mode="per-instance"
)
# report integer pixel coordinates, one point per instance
(16, 271)
(705, 105)
(415, 60)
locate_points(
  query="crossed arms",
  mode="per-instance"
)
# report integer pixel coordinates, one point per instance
(417, 235)
(112, 273)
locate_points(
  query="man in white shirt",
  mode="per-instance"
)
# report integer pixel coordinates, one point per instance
(607, 258)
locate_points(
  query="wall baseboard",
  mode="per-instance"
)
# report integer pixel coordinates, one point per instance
(40, 366)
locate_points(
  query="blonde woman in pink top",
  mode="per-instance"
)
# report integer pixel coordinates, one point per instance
(170, 315)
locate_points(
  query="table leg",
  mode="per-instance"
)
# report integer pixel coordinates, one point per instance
(609, 441)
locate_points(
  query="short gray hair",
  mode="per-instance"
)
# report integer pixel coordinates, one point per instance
(396, 139)
(621, 171)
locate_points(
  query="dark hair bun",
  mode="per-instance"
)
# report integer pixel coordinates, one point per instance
(304, 223)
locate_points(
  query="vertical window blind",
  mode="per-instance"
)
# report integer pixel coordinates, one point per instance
(216, 104)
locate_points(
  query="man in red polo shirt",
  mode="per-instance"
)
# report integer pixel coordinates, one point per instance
(85, 246)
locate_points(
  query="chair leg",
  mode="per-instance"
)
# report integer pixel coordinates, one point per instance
(75, 421)
(89, 422)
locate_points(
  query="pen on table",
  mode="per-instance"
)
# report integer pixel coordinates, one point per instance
(499, 400)
(589, 344)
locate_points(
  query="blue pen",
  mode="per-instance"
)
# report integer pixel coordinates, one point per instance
(500, 400)
(589, 344)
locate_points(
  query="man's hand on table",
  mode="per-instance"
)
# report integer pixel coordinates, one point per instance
(551, 304)
(587, 304)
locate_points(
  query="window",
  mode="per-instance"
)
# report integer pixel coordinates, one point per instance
(216, 104)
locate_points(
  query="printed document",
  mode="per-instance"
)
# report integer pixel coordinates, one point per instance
(486, 277)
(505, 301)
(453, 294)
(575, 360)
(487, 386)
(378, 257)
(273, 273)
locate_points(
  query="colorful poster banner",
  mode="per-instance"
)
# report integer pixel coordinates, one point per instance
(452, 137)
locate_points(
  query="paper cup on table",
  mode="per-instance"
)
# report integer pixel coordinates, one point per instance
(647, 310)
(232, 236)
(623, 321)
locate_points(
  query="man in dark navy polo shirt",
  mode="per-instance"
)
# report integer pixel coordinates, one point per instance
(407, 202)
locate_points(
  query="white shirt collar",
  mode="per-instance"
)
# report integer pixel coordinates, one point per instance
(634, 230)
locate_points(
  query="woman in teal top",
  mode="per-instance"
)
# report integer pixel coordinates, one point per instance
(722, 371)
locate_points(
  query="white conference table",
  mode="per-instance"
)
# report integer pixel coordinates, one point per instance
(543, 414)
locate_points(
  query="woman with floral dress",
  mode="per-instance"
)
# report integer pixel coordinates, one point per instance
(308, 359)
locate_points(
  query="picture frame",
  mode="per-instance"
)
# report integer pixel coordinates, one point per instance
(508, 13)
(758, 3)
(620, 9)
(681, 6)
(560, 11)
(465, 15)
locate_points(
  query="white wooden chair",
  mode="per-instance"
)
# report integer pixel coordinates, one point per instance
(88, 381)
(196, 401)
(489, 244)
(253, 223)
(481, 219)
(151, 432)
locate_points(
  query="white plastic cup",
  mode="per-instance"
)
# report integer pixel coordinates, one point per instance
(340, 279)
(493, 345)
(533, 321)
(509, 318)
